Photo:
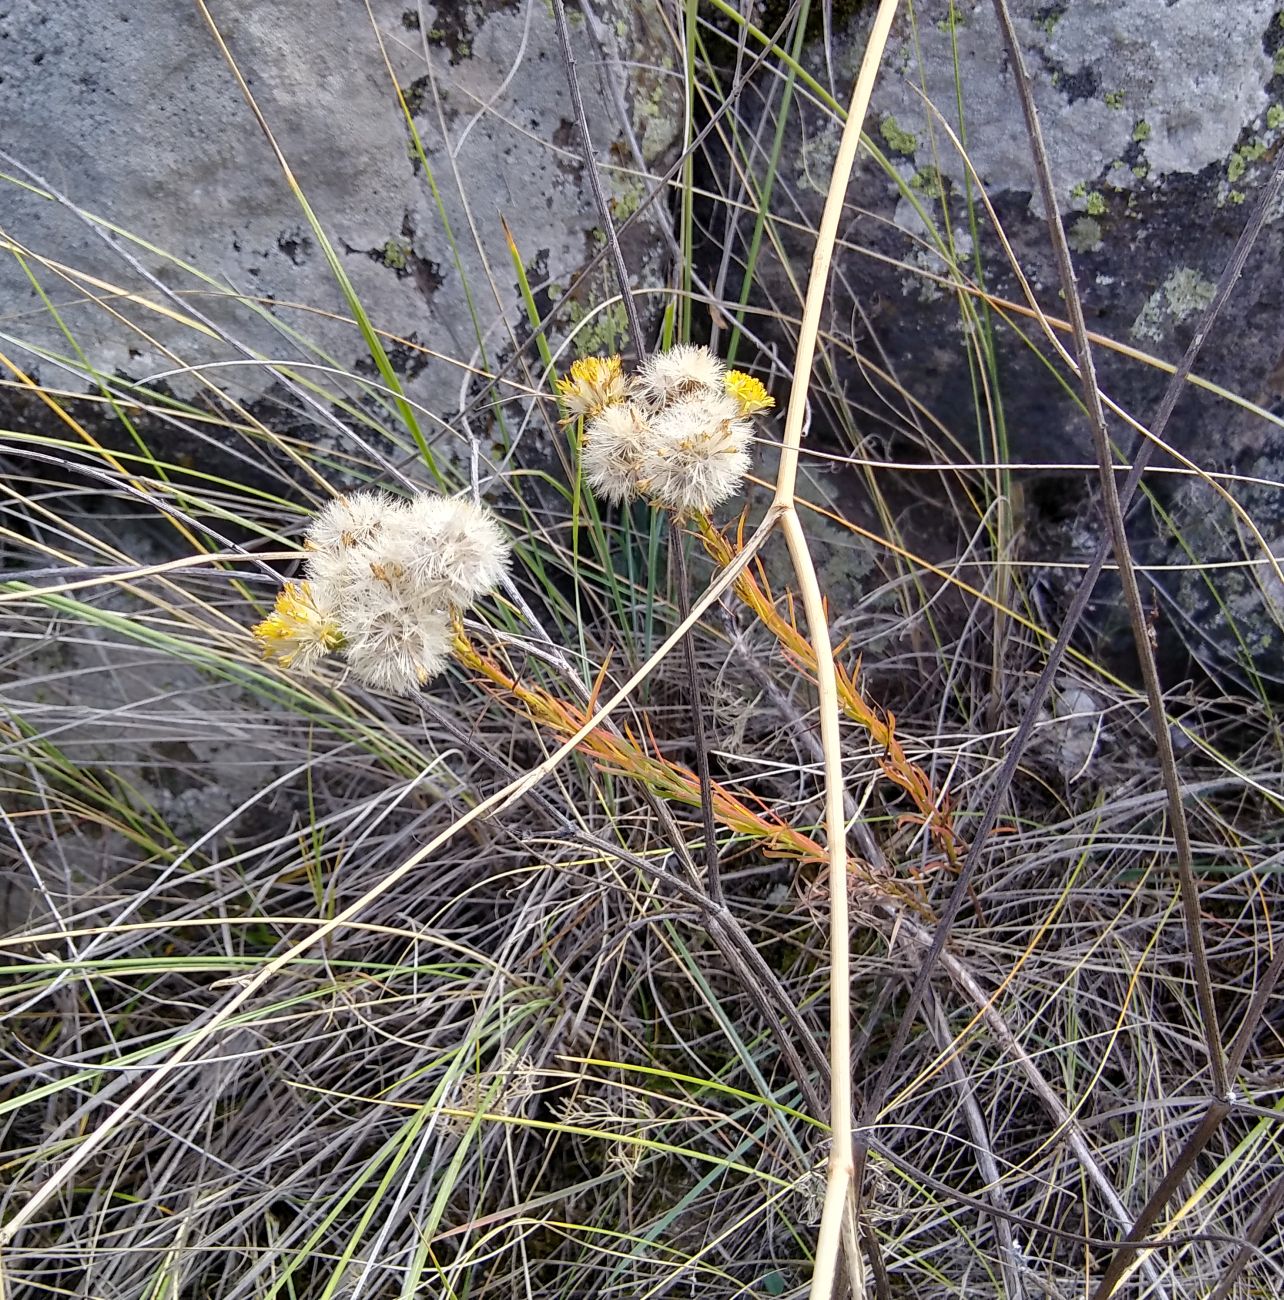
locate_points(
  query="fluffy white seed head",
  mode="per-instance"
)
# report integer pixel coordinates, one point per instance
(686, 370)
(457, 547)
(616, 446)
(391, 648)
(442, 553)
(699, 454)
(346, 521)
(391, 574)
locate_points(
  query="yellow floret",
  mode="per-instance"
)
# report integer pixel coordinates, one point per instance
(593, 384)
(748, 392)
(298, 631)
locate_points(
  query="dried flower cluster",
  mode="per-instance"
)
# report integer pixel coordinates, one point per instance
(385, 577)
(593, 384)
(501, 1091)
(627, 1114)
(676, 433)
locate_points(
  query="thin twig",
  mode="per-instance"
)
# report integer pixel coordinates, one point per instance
(678, 551)
(699, 737)
(1253, 1234)
(1159, 1198)
(1261, 995)
(1188, 888)
(595, 179)
(1216, 1112)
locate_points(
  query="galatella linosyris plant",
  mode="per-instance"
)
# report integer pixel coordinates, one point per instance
(676, 433)
(386, 578)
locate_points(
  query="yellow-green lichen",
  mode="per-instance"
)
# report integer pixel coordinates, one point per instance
(627, 198)
(1245, 154)
(574, 19)
(1114, 99)
(819, 149)
(1275, 117)
(606, 331)
(952, 21)
(1181, 295)
(1141, 130)
(927, 181)
(1084, 235)
(655, 110)
(898, 139)
(394, 254)
(1278, 67)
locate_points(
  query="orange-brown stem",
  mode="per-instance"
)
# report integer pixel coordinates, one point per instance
(623, 755)
(754, 591)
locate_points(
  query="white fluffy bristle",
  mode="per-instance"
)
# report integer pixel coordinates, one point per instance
(700, 453)
(686, 370)
(615, 448)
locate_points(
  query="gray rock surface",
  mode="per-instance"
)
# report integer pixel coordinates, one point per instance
(1161, 119)
(1220, 542)
(135, 116)
(98, 723)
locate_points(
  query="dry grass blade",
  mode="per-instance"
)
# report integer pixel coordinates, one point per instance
(986, 1163)
(202, 1032)
(317, 988)
(1262, 1221)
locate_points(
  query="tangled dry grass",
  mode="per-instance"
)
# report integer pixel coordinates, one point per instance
(315, 991)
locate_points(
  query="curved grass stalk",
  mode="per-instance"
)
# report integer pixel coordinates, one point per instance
(837, 1224)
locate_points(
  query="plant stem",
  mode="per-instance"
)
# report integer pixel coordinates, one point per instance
(677, 548)
(595, 178)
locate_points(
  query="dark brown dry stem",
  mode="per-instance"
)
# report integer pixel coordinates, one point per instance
(677, 549)
(640, 348)
(1123, 559)
(595, 178)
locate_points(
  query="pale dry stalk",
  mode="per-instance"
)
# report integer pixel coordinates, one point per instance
(837, 1222)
